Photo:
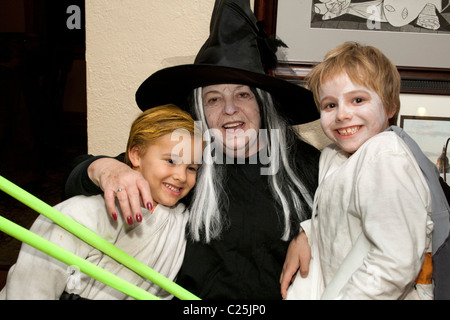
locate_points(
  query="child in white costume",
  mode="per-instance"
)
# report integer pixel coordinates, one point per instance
(371, 228)
(158, 241)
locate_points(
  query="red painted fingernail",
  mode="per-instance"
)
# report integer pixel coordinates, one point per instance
(138, 217)
(114, 215)
(149, 206)
(130, 221)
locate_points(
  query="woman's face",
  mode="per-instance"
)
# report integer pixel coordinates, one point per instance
(170, 167)
(350, 114)
(233, 111)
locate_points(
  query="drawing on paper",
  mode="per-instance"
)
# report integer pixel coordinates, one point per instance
(384, 15)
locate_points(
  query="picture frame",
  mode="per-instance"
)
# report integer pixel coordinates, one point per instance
(430, 133)
(417, 77)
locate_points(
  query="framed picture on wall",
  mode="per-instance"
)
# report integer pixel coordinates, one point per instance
(430, 133)
(415, 35)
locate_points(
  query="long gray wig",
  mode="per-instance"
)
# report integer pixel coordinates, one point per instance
(209, 202)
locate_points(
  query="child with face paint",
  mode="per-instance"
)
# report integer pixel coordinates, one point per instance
(162, 147)
(371, 228)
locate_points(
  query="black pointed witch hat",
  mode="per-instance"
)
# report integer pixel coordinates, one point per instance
(237, 52)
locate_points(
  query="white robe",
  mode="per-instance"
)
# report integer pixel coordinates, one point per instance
(373, 224)
(158, 241)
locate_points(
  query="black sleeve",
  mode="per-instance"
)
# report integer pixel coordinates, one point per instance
(78, 182)
(307, 161)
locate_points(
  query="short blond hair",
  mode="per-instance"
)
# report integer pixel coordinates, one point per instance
(364, 65)
(155, 123)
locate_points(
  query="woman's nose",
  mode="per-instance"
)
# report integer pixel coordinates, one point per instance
(230, 106)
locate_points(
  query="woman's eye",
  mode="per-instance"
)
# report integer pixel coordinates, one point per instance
(213, 101)
(171, 161)
(244, 95)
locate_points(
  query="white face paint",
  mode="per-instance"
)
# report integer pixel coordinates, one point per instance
(350, 114)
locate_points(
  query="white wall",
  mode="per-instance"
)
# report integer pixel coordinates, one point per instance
(126, 41)
(425, 105)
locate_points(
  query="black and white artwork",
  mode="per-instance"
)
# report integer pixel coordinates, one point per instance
(419, 16)
(412, 33)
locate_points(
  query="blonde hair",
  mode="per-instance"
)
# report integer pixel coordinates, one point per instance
(155, 123)
(364, 65)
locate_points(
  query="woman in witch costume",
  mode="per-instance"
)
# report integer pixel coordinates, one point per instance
(249, 199)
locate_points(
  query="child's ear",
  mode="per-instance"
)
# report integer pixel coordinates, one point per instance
(392, 114)
(134, 155)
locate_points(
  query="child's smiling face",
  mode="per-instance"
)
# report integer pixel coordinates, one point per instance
(170, 167)
(350, 114)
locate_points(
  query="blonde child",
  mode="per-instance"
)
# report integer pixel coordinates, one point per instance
(161, 147)
(371, 229)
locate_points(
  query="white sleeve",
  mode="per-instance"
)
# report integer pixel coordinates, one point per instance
(305, 226)
(392, 199)
(36, 275)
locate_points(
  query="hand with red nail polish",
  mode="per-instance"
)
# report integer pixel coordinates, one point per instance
(130, 220)
(111, 176)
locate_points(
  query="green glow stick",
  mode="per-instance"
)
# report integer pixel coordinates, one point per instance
(70, 258)
(94, 240)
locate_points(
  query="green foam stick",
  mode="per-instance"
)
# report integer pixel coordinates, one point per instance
(70, 258)
(94, 240)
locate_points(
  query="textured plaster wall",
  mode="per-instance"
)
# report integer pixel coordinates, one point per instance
(126, 41)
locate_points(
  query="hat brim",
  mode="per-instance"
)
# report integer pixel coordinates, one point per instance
(174, 85)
